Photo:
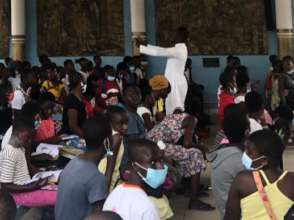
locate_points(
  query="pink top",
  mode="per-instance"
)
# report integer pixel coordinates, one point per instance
(46, 130)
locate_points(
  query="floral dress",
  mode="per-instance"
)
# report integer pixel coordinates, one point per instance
(169, 131)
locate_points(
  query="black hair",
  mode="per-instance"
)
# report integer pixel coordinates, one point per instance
(226, 77)
(74, 80)
(113, 111)
(235, 123)
(104, 215)
(5, 87)
(145, 88)
(27, 74)
(22, 123)
(230, 57)
(7, 206)
(96, 129)
(107, 68)
(182, 33)
(121, 66)
(139, 148)
(253, 102)
(90, 86)
(277, 66)
(287, 59)
(130, 87)
(31, 109)
(273, 58)
(127, 59)
(66, 62)
(193, 105)
(268, 143)
(46, 97)
(242, 77)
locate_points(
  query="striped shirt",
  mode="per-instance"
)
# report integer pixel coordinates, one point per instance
(13, 166)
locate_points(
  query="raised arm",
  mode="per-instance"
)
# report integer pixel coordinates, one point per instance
(159, 51)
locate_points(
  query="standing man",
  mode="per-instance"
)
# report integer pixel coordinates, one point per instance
(175, 68)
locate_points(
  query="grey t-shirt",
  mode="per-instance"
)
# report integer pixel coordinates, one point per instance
(80, 186)
(226, 164)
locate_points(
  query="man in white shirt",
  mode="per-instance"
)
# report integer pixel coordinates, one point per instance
(175, 68)
(129, 200)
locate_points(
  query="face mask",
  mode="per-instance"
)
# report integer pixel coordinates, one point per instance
(132, 68)
(110, 78)
(154, 178)
(109, 152)
(112, 101)
(37, 124)
(247, 162)
(233, 91)
(84, 87)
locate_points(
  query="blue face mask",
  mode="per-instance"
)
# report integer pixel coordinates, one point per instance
(247, 162)
(154, 177)
(110, 78)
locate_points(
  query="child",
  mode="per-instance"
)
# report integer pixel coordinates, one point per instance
(15, 175)
(45, 130)
(130, 200)
(110, 165)
(89, 96)
(82, 188)
(228, 90)
(255, 110)
(108, 91)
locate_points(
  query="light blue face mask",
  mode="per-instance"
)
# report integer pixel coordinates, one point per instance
(154, 177)
(247, 162)
(110, 78)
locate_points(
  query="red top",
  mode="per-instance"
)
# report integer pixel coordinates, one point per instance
(106, 90)
(225, 99)
(46, 130)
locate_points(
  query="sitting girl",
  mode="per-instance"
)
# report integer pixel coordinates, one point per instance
(110, 165)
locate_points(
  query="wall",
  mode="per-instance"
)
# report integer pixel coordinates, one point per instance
(258, 65)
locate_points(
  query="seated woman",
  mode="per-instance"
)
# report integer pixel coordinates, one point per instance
(190, 159)
(15, 175)
(74, 113)
(263, 191)
(110, 165)
(45, 127)
(53, 84)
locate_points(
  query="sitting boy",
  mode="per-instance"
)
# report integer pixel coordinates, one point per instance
(82, 188)
(130, 200)
(15, 176)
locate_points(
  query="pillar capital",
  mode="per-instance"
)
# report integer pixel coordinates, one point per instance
(137, 23)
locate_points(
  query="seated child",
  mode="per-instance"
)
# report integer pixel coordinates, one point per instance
(110, 165)
(15, 176)
(45, 127)
(82, 188)
(129, 199)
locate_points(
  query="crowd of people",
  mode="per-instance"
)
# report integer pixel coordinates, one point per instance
(137, 154)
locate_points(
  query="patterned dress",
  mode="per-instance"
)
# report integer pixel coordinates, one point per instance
(170, 130)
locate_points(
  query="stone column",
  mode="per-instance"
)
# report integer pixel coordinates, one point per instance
(18, 29)
(284, 27)
(137, 23)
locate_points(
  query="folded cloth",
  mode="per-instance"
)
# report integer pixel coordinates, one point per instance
(50, 149)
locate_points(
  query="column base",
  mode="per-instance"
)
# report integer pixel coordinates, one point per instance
(18, 47)
(137, 35)
(285, 43)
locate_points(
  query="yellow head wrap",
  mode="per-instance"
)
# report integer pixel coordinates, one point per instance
(158, 82)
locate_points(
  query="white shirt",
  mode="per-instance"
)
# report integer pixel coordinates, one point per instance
(15, 81)
(254, 125)
(174, 72)
(131, 203)
(13, 166)
(141, 110)
(6, 137)
(18, 100)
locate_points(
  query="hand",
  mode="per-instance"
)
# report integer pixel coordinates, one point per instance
(40, 183)
(140, 41)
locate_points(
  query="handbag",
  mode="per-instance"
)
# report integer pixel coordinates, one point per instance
(263, 195)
